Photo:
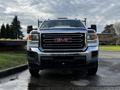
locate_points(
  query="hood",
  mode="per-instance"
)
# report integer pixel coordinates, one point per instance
(63, 30)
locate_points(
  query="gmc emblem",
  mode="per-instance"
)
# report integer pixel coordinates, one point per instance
(62, 40)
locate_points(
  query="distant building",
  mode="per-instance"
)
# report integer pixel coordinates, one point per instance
(108, 36)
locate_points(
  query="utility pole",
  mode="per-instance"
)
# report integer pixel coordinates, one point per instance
(38, 23)
(85, 20)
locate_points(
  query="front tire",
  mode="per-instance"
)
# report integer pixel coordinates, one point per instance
(34, 72)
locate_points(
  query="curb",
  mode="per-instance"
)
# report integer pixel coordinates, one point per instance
(13, 70)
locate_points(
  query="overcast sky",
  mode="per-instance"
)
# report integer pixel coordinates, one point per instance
(100, 12)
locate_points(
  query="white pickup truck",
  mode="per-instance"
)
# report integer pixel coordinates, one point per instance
(63, 44)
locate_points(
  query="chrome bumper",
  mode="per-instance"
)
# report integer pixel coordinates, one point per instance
(87, 53)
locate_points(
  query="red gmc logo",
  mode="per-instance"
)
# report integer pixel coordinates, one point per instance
(62, 40)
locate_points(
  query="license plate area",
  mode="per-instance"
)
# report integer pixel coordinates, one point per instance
(64, 59)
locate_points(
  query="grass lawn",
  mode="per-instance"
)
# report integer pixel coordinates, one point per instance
(110, 48)
(11, 59)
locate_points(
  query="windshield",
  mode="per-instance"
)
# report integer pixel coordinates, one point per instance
(61, 23)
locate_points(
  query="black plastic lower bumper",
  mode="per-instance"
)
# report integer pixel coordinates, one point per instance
(60, 62)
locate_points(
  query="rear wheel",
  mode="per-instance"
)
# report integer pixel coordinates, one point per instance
(93, 70)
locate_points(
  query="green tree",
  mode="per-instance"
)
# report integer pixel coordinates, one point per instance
(117, 31)
(109, 29)
(16, 29)
(12, 33)
(3, 31)
(8, 31)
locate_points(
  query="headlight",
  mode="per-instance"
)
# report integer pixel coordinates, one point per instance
(33, 37)
(92, 37)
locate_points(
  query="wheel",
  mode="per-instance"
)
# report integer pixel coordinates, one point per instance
(79, 72)
(34, 72)
(93, 71)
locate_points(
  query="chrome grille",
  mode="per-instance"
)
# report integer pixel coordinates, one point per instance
(63, 40)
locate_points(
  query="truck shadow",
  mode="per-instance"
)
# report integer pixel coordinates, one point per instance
(107, 75)
(48, 79)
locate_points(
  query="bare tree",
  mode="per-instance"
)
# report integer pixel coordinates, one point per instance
(117, 31)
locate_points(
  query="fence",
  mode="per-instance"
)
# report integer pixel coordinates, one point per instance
(15, 45)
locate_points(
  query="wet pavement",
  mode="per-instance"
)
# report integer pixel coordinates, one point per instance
(107, 78)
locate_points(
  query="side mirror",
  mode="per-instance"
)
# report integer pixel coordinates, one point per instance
(94, 27)
(29, 29)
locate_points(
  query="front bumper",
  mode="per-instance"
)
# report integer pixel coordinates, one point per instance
(35, 57)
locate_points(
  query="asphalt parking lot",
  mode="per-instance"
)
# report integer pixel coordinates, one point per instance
(107, 78)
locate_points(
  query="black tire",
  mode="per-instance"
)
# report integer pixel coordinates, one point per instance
(93, 71)
(34, 72)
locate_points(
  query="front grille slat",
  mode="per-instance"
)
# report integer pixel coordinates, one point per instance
(62, 45)
(59, 35)
(62, 36)
(63, 40)
(52, 41)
